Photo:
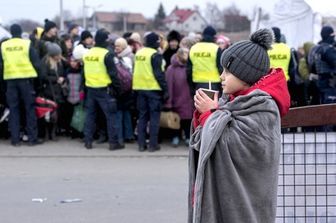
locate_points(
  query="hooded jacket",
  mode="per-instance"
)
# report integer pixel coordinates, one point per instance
(180, 100)
(234, 156)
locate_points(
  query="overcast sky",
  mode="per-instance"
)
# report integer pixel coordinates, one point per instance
(38, 10)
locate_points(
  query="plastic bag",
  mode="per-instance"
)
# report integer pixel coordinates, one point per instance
(78, 118)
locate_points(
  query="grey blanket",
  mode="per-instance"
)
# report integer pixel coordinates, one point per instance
(233, 162)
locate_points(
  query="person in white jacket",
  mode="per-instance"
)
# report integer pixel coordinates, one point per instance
(86, 42)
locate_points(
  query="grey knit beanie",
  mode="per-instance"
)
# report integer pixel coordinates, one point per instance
(248, 59)
(53, 49)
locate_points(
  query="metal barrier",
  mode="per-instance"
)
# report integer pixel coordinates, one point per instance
(307, 174)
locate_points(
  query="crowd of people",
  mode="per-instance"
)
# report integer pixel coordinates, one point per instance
(117, 86)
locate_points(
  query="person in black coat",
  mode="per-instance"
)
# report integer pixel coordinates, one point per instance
(173, 39)
(49, 35)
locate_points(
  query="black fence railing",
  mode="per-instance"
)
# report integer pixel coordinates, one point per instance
(307, 174)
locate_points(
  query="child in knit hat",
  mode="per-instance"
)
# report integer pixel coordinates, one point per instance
(236, 140)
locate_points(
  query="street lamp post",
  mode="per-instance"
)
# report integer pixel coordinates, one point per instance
(125, 22)
(61, 16)
(84, 15)
(94, 8)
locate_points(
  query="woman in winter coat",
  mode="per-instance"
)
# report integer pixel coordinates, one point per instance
(67, 47)
(54, 85)
(124, 53)
(180, 100)
(173, 39)
(125, 58)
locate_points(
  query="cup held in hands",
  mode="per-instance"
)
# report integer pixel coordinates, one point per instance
(210, 93)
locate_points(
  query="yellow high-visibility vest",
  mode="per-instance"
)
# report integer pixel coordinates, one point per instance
(95, 71)
(143, 75)
(279, 57)
(15, 55)
(203, 57)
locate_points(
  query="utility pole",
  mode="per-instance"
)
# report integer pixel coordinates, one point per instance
(94, 15)
(84, 15)
(61, 16)
(124, 21)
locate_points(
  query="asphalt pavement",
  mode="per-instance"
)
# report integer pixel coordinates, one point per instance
(99, 185)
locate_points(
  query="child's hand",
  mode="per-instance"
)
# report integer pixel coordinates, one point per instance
(203, 103)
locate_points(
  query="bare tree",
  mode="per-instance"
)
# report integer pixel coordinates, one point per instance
(235, 21)
(215, 16)
(231, 10)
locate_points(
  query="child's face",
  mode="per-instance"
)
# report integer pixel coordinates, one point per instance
(74, 64)
(231, 84)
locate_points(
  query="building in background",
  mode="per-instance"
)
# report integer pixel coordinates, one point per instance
(185, 20)
(118, 21)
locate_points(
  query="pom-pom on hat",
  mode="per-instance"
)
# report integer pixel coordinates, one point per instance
(48, 25)
(248, 59)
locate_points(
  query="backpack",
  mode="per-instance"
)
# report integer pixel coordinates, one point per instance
(125, 77)
(297, 79)
(313, 55)
(315, 63)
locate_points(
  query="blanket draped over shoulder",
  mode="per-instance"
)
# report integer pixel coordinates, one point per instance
(234, 162)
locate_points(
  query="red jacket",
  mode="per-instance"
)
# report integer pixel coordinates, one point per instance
(274, 83)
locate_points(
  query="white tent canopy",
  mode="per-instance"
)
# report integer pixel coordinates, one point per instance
(296, 20)
(4, 33)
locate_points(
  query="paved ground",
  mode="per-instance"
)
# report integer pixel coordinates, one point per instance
(121, 186)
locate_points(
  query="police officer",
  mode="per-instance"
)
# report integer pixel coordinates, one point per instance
(19, 66)
(204, 62)
(280, 54)
(102, 84)
(151, 87)
(325, 65)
